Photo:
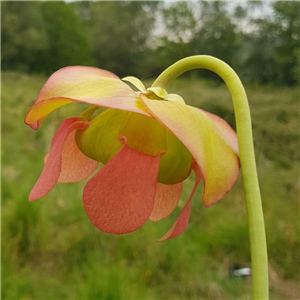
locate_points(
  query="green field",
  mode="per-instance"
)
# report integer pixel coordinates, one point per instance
(50, 250)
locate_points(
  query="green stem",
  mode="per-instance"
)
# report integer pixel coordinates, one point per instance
(259, 259)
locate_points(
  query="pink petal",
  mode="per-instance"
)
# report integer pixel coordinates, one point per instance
(166, 199)
(52, 168)
(75, 165)
(83, 84)
(61, 80)
(120, 197)
(182, 221)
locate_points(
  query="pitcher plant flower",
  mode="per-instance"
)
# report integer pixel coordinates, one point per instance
(148, 140)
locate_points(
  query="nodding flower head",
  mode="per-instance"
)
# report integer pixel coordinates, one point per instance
(148, 140)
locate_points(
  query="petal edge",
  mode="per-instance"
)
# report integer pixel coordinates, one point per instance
(52, 168)
(120, 197)
(182, 221)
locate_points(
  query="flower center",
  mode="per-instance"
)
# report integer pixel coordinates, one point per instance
(102, 141)
(144, 134)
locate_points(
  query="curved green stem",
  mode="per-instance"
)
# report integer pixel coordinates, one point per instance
(259, 259)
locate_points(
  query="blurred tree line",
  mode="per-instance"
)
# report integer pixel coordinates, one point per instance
(259, 40)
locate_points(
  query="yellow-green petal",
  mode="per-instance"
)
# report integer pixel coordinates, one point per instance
(100, 141)
(218, 162)
(175, 164)
(144, 134)
(175, 98)
(87, 85)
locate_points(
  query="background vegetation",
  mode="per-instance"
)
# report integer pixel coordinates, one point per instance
(50, 250)
(260, 40)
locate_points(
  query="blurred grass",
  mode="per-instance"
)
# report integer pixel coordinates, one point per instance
(50, 250)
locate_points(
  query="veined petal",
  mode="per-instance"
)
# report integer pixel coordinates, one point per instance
(182, 221)
(75, 166)
(218, 162)
(120, 197)
(83, 84)
(166, 199)
(52, 168)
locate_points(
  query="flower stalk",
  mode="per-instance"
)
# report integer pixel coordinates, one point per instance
(258, 247)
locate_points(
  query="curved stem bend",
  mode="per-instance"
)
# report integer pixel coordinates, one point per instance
(259, 259)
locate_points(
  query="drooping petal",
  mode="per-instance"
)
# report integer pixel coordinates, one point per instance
(120, 197)
(83, 84)
(225, 130)
(75, 166)
(52, 168)
(218, 162)
(182, 221)
(166, 199)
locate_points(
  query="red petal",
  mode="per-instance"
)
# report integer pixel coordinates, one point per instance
(120, 197)
(182, 221)
(75, 165)
(52, 168)
(166, 199)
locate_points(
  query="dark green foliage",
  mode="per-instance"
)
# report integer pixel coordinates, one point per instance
(260, 66)
(120, 32)
(272, 47)
(42, 37)
(217, 33)
(180, 22)
(23, 35)
(259, 40)
(287, 25)
(164, 55)
(68, 41)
